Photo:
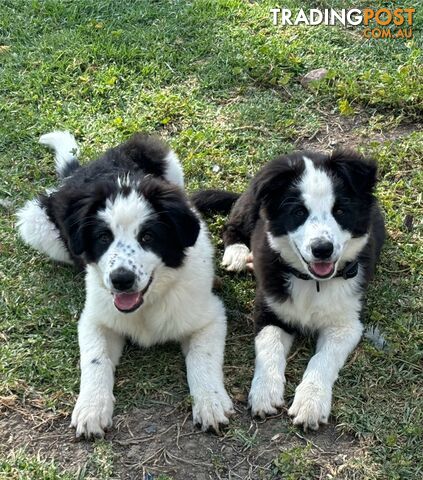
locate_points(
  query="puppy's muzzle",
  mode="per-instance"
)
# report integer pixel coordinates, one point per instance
(122, 279)
(322, 249)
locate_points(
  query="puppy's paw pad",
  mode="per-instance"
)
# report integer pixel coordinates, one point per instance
(266, 396)
(235, 257)
(311, 405)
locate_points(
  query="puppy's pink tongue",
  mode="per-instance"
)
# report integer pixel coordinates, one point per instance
(127, 301)
(322, 269)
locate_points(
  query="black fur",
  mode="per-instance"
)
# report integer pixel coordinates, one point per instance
(175, 227)
(264, 316)
(141, 154)
(273, 202)
(354, 182)
(69, 168)
(269, 269)
(214, 201)
(73, 207)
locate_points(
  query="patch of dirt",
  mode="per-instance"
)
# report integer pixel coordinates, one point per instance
(162, 440)
(351, 132)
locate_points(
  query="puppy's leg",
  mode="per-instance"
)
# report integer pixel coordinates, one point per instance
(204, 360)
(100, 352)
(237, 233)
(37, 230)
(313, 396)
(272, 344)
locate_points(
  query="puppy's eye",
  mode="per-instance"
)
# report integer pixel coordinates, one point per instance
(300, 212)
(105, 237)
(338, 211)
(146, 237)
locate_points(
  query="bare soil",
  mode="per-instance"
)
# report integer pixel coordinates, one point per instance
(162, 440)
(352, 132)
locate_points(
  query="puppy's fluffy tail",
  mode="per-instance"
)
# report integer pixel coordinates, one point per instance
(66, 151)
(214, 201)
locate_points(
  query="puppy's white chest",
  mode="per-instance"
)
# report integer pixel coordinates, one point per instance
(309, 307)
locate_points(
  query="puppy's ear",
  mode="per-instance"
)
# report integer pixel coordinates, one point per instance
(75, 223)
(275, 178)
(358, 172)
(184, 221)
(172, 205)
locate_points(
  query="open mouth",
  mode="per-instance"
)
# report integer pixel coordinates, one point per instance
(322, 269)
(129, 302)
(319, 269)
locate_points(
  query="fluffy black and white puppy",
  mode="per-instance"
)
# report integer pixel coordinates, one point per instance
(149, 269)
(315, 232)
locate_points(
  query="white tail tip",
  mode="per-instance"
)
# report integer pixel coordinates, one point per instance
(65, 147)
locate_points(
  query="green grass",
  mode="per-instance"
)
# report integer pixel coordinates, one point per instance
(221, 84)
(20, 466)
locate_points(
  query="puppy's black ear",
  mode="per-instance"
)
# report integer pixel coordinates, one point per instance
(185, 222)
(172, 205)
(358, 172)
(275, 178)
(75, 221)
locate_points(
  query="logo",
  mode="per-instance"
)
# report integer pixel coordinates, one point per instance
(381, 23)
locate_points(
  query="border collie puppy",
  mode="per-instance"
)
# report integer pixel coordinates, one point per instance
(149, 270)
(315, 231)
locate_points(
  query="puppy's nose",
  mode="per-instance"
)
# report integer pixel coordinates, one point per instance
(321, 249)
(122, 279)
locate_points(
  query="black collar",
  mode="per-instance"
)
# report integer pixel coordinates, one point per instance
(349, 271)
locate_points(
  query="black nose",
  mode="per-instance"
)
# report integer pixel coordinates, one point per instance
(321, 249)
(122, 279)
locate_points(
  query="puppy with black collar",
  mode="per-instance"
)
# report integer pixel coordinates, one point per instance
(148, 258)
(314, 230)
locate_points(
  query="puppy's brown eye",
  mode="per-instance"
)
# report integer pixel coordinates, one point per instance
(146, 237)
(300, 212)
(105, 237)
(339, 211)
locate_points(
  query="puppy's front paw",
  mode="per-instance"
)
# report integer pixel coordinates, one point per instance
(92, 415)
(266, 396)
(311, 405)
(212, 409)
(235, 257)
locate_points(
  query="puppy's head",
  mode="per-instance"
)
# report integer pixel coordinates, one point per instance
(317, 208)
(129, 230)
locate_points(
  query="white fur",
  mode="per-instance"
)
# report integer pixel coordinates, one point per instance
(307, 308)
(313, 396)
(65, 148)
(204, 360)
(34, 226)
(285, 246)
(93, 411)
(319, 198)
(37, 230)
(334, 312)
(174, 173)
(266, 394)
(179, 306)
(235, 257)
(125, 216)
